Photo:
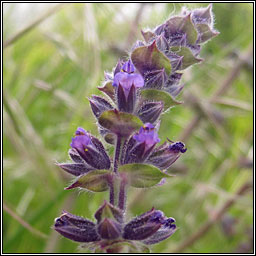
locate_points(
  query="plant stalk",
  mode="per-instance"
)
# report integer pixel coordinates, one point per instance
(117, 153)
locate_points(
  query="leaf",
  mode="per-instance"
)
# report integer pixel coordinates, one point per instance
(95, 181)
(188, 57)
(148, 58)
(205, 33)
(156, 95)
(184, 24)
(142, 175)
(120, 123)
(108, 89)
(148, 35)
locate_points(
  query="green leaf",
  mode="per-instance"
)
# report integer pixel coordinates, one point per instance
(157, 95)
(142, 175)
(95, 181)
(148, 58)
(120, 123)
(108, 89)
(184, 24)
(205, 32)
(188, 57)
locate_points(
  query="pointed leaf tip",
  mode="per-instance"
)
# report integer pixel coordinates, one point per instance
(142, 175)
(95, 181)
(149, 58)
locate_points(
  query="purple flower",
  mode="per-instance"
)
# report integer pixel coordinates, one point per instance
(88, 154)
(140, 145)
(147, 135)
(126, 81)
(81, 140)
(81, 131)
(127, 77)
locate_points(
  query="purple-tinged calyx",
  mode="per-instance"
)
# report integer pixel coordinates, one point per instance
(150, 111)
(161, 234)
(155, 79)
(99, 105)
(109, 229)
(166, 154)
(76, 228)
(172, 85)
(204, 23)
(147, 225)
(203, 15)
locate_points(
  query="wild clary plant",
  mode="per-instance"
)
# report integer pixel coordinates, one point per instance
(137, 93)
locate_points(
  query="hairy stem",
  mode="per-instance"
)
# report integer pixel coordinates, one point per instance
(122, 194)
(111, 192)
(117, 153)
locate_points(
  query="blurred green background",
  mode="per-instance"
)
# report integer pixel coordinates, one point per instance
(53, 65)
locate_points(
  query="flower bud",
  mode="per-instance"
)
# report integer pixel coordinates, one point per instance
(165, 155)
(76, 228)
(143, 226)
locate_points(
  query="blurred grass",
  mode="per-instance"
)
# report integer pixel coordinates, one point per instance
(48, 74)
